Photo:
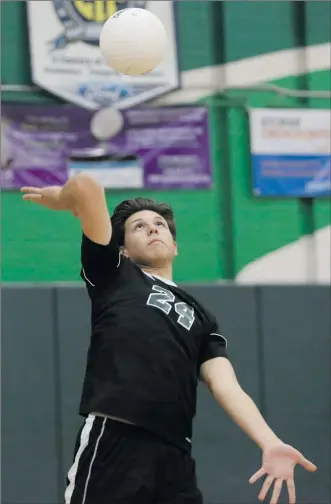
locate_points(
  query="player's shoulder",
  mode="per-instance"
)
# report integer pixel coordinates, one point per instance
(127, 274)
(130, 273)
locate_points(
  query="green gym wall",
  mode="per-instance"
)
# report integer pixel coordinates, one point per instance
(223, 231)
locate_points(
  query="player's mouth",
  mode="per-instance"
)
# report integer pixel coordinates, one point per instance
(155, 241)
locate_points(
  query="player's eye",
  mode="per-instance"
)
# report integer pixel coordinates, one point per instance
(139, 226)
(160, 223)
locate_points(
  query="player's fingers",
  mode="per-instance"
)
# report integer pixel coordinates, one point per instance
(257, 476)
(36, 198)
(31, 190)
(277, 491)
(265, 489)
(309, 466)
(291, 490)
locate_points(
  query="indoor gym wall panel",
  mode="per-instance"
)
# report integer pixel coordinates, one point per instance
(297, 333)
(294, 323)
(73, 315)
(29, 441)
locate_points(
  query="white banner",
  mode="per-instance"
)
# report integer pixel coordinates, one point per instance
(290, 131)
(66, 59)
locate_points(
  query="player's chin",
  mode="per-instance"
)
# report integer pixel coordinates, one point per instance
(159, 255)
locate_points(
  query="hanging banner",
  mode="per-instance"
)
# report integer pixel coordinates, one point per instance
(291, 152)
(156, 148)
(66, 59)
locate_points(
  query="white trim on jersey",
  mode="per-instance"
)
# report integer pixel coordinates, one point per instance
(164, 280)
(84, 439)
(89, 281)
(220, 335)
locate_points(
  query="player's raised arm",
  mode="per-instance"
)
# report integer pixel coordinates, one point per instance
(85, 198)
(81, 195)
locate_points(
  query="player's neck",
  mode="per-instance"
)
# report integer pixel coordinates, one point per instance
(164, 272)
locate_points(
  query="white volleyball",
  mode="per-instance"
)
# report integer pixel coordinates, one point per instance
(133, 41)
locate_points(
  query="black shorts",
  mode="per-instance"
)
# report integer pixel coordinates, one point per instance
(118, 463)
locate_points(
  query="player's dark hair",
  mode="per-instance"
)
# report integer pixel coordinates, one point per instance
(129, 207)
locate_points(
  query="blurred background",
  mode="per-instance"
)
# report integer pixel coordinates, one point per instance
(259, 258)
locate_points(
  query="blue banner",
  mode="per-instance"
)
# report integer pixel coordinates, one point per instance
(290, 151)
(297, 176)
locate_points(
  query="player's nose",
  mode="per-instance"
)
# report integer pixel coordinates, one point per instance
(153, 229)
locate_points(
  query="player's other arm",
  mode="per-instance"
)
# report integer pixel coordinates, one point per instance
(279, 459)
(220, 377)
(217, 372)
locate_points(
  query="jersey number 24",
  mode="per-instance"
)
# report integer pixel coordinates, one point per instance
(164, 300)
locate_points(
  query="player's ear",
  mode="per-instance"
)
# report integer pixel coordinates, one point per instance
(124, 252)
(175, 249)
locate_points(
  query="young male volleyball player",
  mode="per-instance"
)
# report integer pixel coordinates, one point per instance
(151, 342)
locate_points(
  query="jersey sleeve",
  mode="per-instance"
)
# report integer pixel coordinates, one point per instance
(213, 345)
(100, 263)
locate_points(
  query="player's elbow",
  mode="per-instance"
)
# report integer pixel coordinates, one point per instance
(90, 206)
(84, 184)
(83, 187)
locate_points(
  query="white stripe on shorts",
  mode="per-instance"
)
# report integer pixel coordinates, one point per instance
(84, 439)
(93, 458)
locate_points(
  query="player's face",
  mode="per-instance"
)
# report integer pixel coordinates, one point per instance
(148, 240)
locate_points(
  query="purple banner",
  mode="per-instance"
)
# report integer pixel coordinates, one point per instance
(158, 148)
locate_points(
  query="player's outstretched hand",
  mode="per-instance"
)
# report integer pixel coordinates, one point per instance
(278, 464)
(47, 196)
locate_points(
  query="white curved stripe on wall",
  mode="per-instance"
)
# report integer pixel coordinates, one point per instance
(199, 82)
(290, 264)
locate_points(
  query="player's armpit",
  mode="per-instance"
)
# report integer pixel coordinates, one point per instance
(90, 207)
(214, 345)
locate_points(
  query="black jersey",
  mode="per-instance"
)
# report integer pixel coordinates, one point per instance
(149, 338)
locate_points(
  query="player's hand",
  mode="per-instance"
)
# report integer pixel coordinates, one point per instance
(278, 464)
(47, 196)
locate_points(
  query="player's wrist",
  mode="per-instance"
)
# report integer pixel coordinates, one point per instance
(67, 196)
(270, 442)
(64, 200)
